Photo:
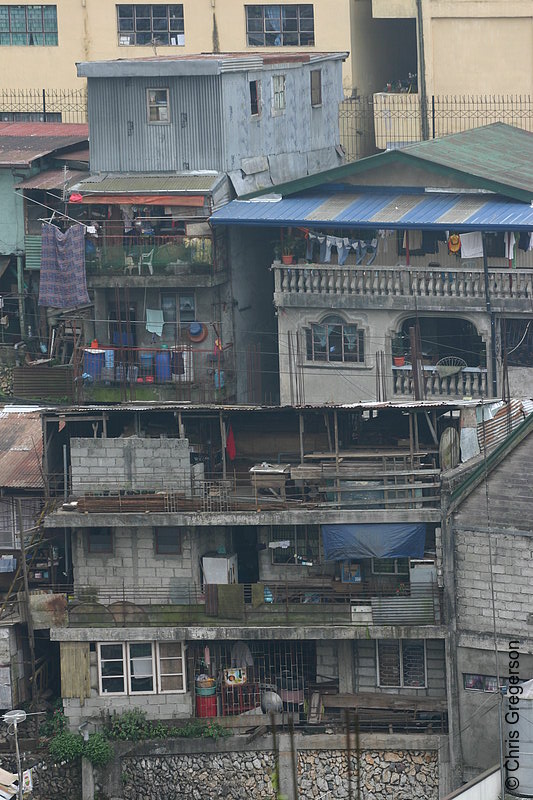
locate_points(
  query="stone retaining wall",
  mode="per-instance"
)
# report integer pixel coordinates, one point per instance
(51, 781)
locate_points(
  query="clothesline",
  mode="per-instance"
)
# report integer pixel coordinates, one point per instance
(49, 208)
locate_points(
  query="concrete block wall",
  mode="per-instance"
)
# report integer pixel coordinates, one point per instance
(366, 673)
(512, 575)
(130, 463)
(92, 710)
(327, 661)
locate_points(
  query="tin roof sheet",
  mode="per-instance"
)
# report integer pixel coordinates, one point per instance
(109, 183)
(51, 179)
(22, 143)
(381, 209)
(21, 450)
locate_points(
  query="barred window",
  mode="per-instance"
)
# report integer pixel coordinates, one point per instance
(334, 340)
(401, 663)
(280, 26)
(145, 24)
(34, 25)
(295, 544)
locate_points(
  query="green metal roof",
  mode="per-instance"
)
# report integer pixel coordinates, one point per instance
(160, 184)
(496, 157)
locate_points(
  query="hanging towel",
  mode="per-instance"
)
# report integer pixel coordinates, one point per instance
(471, 245)
(63, 283)
(230, 444)
(415, 239)
(509, 239)
(154, 321)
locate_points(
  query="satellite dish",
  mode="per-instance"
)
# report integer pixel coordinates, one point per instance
(449, 449)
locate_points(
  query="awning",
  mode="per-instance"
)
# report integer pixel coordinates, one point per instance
(145, 200)
(374, 540)
(358, 207)
(51, 179)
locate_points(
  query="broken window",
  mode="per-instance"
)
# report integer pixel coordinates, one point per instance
(280, 25)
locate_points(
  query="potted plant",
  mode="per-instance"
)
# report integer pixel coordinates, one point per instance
(398, 350)
(290, 247)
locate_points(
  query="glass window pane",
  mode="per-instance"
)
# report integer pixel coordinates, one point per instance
(141, 649)
(290, 25)
(160, 24)
(272, 18)
(125, 25)
(17, 17)
(125, 12)
(113, 685)
(160, 11)
(171, 666)
(289, 12)
(5, 38)
(143, 38)
(307, 39)
(254, 12)
(36, 38)
(256, 39)
(306, 10)
(255, 25)
(170, 649)
(4, 18)
(273, 39)
(35, 18)
(172, 683)
(111, 651)
(142, 10)
(143, 25)
(290, 39)
(306, 25)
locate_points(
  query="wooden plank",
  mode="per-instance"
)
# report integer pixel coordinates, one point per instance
(75, 670)
(393, 702)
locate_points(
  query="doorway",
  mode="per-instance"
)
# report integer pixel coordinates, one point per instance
(245, 545)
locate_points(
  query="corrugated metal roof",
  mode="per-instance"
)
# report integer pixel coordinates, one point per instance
(500, 154)
(51, 179)
(76, 155)
(45, 129)
(382, 209)
(21, 451)
(497, 421)
(159, 184)
(497, 157)
(22, 150)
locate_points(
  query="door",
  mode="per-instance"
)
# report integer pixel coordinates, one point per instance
(245, 545)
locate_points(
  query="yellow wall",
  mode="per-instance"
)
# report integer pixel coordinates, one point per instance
(87, 31)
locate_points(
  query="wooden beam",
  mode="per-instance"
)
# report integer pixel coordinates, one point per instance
(394, 702)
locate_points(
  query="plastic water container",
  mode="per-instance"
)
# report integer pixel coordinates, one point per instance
(162, 366)
(146, 362)
(109, 359)
(93, 362)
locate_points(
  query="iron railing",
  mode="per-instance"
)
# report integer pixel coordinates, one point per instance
(43, 105)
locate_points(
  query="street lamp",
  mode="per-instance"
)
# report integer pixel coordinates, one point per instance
(14, 718)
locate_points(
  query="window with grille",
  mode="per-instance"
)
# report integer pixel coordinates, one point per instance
(31, 25)
(141, 668)
(280, 25)
(179, 310)
(145, 24)
(334, 340)
(295, 544)
(401, 663)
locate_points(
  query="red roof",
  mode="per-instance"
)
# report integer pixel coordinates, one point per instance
(21, 451)
(25, 129)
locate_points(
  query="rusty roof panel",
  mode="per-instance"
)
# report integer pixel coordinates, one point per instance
(21, 451)
(51, 179)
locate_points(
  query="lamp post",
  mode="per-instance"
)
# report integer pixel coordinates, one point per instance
(13, 718)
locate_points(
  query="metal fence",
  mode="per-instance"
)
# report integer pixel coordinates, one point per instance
(43, 105)
(387, 120)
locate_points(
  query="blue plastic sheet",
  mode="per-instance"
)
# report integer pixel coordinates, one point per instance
(373, 540)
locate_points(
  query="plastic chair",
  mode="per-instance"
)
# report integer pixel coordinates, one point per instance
(146, 261)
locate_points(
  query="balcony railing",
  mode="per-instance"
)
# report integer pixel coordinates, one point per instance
(267, 603)
(160, 255)
(404, 281)
(189, 372)
(466, 382)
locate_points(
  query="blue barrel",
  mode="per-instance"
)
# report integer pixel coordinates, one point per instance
(145, 360)
(162, 366)
(93, 363)
(110, 359)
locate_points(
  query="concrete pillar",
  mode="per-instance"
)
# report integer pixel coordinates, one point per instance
(87, 780)
(346, 666)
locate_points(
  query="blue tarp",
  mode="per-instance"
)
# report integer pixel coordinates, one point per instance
(346, 542)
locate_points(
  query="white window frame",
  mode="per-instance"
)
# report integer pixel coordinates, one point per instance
(394, 572)
(279, 97)
(159, 674)
(401, 684)
(150, 105)
(127, 674)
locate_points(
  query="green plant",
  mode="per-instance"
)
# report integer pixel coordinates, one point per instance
(55, 721)
(131, 725)
(291, 245)
(198, 729)
(98, 750)
(399, 345)
(66, 746)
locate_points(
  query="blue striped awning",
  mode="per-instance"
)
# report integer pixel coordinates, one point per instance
(381, 209)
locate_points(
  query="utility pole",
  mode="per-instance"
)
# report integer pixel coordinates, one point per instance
(29, 621)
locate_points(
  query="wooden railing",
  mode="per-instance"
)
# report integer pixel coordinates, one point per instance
(403, 281)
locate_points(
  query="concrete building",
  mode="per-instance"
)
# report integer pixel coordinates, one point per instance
(419, 238)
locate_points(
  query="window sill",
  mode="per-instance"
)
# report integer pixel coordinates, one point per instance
(337, 365)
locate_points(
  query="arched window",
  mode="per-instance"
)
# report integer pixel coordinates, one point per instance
(335, 340)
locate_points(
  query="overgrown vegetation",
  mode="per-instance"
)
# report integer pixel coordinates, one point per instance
(131, 726)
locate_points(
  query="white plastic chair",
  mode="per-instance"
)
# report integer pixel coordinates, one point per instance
(146, 261)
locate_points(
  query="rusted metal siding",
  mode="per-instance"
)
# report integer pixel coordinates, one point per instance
(122, 139)
(75, 670)
(34, 383)
(21, 451)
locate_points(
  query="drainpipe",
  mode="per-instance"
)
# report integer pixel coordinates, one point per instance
(422, 71)
(20, 292)
(488, 306)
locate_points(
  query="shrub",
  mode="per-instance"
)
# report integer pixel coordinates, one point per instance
(55, 721)
(131, 725)
(66, 746)
(98, 750)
